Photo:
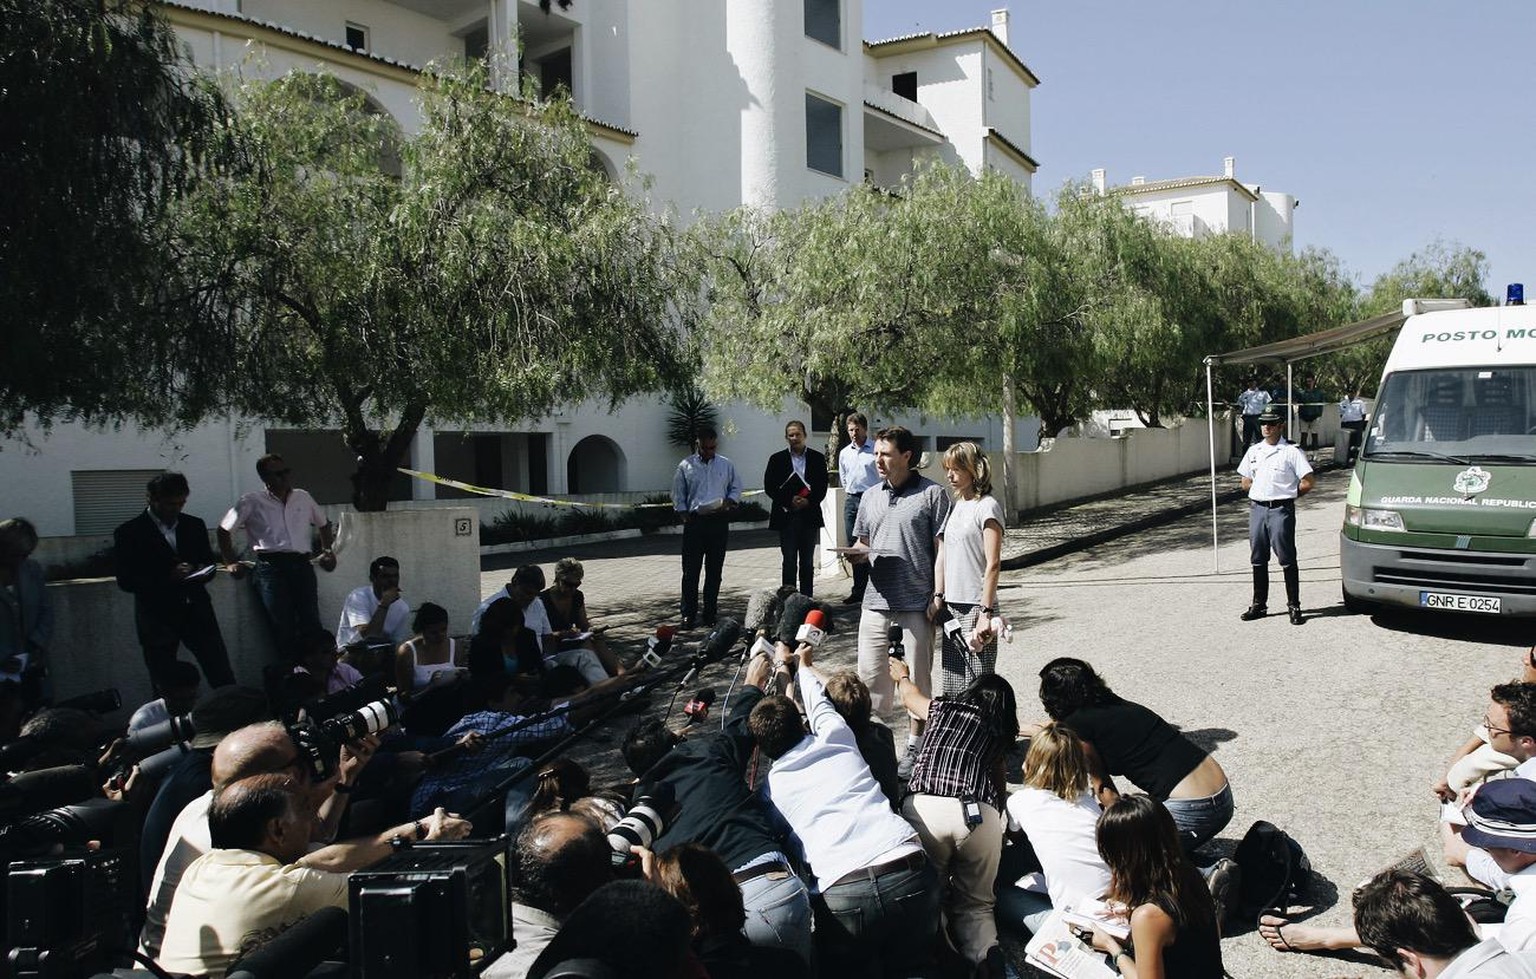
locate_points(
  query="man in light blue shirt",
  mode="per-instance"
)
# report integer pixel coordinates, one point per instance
(856, 472)
(704, 491)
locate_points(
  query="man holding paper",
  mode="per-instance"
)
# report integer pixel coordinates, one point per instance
(796, 479)
(163, 560)
(705, 489)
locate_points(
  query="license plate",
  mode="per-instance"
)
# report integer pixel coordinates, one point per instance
(1460, 603)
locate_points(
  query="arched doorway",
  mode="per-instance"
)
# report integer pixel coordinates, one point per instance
(595, 465)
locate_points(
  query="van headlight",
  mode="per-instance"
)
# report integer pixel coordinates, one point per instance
(1367, 519)
(1531, 531)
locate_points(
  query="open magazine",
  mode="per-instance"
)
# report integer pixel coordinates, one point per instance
(1058, 952)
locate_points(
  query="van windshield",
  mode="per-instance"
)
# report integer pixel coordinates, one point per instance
(1461, 415)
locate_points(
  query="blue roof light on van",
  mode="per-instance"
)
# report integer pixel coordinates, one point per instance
(1514, 294)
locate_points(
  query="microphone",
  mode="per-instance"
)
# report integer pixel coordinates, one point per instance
(814, 629)
(763, 610)
(48, 788)
(951, 626)
(697, 709)
(657, 646)
(796, 608)
(893, 636)
(717, 645)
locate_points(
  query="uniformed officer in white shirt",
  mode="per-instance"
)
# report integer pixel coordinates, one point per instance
(1274, 473)
(1252, 403)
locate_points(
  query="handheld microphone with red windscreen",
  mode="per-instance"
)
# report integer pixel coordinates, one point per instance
(813, 630)
(656, 647)
(697, 709)
(893, 636)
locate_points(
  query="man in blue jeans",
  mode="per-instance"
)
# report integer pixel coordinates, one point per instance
(279, 520)
(856, 473)
(706, 773)
(878, 908)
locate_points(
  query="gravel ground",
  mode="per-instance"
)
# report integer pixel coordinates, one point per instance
(1334, 730)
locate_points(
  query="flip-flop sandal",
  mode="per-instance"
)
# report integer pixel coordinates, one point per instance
(1279, 933)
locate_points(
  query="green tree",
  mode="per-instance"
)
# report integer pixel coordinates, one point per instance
(102, 130)
(1440, 270)
(496, 277)
(828, 303)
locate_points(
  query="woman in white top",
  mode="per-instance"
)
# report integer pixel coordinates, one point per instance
(430, 656)
(965, 571)
(1058, 813)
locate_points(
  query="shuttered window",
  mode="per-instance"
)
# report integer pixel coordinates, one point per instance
(105, 498)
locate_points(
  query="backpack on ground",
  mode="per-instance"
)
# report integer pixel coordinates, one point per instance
(1274, 867)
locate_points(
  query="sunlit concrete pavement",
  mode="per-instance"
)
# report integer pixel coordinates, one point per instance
(1333, 730)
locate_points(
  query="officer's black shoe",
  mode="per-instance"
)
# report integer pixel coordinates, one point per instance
(1295, 614)
(1255, 611)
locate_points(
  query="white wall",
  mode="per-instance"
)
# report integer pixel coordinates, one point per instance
(394, 31)
(95, 644)
(218, 459)
(1074, 468)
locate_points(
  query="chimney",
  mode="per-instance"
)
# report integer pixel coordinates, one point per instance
(1000, 25)
(1138, 181)
(1228, 166)
(1098, 181)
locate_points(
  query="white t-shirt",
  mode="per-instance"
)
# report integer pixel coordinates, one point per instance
(189, 840)
(1489, 960)
(230, 901)
(1518, 932)
(826, 794)
(965, 555)
(358, 611)
(1063, 835)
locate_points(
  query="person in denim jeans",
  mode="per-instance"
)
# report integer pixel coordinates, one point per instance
(706, 772)
(877, 910)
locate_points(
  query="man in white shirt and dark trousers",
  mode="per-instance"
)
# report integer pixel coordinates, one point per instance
(877, 896)
(705, 490)
(856, 474)
(1275, 473)
(277, 522)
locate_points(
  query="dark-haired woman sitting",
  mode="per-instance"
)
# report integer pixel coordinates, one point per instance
(1173, 921)
(1126, 739)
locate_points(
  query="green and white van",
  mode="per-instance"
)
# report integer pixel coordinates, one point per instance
(1441, 511)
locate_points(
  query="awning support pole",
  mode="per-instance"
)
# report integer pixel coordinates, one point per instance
(1210, 422)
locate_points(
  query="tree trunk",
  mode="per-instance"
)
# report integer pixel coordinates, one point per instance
(1010, 414)
(379, 458)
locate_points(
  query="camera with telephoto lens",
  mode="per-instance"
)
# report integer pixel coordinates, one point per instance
(319, 741)
(646, 820)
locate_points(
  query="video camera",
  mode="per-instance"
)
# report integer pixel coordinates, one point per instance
(440, 909)
(66, 908)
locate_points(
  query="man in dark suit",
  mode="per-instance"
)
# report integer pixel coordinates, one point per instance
(159, 553)
(796, 481)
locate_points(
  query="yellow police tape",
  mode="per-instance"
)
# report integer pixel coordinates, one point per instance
(526, 498)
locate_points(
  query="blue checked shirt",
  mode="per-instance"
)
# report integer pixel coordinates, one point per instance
(497, 753)
(698, 482)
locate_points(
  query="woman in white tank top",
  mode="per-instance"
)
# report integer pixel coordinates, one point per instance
(429, 653)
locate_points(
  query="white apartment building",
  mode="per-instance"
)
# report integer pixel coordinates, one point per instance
(759, 102)
(1211, 205)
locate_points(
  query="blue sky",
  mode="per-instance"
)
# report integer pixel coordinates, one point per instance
(1393, 121)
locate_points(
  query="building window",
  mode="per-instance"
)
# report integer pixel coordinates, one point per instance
(824, 22)
(104, 498)
(991, 94)
(823, 135)
(1181, 209)
(357, 36)
(477, 42)
(556, 76)
(905, 85)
